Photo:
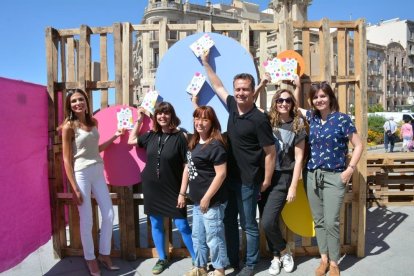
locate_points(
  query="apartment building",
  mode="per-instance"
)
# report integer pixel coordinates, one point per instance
(397, 36)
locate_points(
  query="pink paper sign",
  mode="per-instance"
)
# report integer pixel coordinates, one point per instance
(123, 163)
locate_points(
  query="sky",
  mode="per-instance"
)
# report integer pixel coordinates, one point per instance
(23, 23)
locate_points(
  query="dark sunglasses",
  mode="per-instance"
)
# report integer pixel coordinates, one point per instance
(281, 100)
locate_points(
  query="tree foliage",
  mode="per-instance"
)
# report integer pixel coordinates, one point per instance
(375, 108)
(376, 123)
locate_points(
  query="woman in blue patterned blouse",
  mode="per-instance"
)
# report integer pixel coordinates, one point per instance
(327, 171)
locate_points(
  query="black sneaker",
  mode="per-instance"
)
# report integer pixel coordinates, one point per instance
(160, 266)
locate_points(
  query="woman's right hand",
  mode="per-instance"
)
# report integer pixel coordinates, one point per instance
(181, 201)
(77, 197)
(140, 113)
(204, 56)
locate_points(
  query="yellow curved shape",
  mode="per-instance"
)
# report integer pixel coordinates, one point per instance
(297, 214)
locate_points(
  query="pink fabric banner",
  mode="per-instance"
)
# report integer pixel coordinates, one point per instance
(25, 206)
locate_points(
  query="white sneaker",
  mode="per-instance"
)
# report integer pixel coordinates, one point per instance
(274, 268)
(287, 262)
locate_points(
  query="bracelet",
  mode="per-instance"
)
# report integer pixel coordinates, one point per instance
(352, 167)
(181, 194)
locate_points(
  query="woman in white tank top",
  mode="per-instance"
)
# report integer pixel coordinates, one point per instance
(84, 170)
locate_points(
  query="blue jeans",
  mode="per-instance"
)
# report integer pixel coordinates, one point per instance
(208, 233)
(242, 201)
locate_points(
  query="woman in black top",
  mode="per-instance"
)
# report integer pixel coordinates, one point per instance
(166, 148)
(289, 132)
(205, 172)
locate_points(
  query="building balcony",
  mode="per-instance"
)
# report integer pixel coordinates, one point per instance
(163, 5)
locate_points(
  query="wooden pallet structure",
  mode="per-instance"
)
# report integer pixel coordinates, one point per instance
(333, 50)
(390, 179)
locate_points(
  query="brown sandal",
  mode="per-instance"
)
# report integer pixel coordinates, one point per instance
(322, 269)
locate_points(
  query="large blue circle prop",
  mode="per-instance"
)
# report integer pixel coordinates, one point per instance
(179, 64)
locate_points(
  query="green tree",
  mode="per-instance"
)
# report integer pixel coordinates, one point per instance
(375, 108)
(376, 123)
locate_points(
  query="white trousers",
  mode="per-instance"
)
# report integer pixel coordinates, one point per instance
(91, 179)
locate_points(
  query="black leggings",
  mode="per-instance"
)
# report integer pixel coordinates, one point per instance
(270, 207)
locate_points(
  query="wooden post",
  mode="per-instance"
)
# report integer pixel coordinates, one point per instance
(359, 179)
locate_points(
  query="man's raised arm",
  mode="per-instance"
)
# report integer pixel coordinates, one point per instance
(215, 81)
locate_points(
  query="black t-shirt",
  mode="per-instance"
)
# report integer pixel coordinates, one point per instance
(201, 162)
(285, 141)
(247, 135)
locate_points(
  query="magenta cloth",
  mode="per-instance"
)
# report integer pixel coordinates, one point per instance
(123, 163)
(25, 204)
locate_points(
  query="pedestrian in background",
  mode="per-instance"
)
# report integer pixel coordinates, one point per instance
(390, 128)
(406, 134)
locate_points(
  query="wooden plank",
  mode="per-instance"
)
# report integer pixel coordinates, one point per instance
(127, 97)
(318, 24)
(93, 30)
(245, 37)
(207, 27)
(84, 57)
(361, 123)
(118, 62)
(342, 54)
(303, 100)
(63, 59)
(325, 51)
(262, 58)
(103, 45)
(200, 26)
(129, 223)
(162, 42)
(122, 222)
(71, 74)
(51, 58)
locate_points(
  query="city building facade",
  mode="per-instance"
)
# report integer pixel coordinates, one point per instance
(397, 36)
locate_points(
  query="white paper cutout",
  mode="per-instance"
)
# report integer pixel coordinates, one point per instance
(124, 118)
(196, 83)
(281, 69)
(149, 101)
(202, 44)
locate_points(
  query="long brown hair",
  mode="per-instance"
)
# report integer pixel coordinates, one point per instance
(70, 116)
(165, 107)
(327, 89)
(207, 112)
(274, 115)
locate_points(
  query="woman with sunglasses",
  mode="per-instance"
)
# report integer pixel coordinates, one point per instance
(85, 173)
(289, 132)
(166, 148)
(327, 171)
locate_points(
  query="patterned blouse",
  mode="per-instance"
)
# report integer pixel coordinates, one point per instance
(329, 142)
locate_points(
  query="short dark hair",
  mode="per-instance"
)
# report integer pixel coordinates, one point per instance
(245, 76)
